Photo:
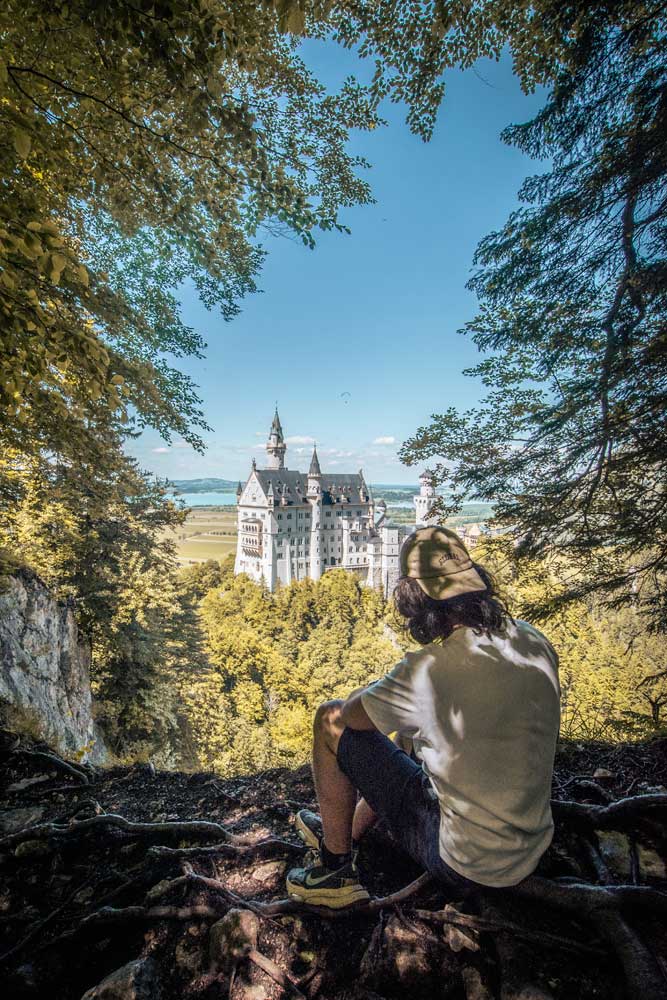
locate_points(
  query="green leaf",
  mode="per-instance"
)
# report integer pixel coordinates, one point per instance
(22, 143)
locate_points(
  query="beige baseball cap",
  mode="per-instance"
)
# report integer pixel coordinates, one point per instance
(438, 560)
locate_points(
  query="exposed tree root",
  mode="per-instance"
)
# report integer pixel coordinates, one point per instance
(450, 915)
(269, 847)
(56, 763)
(281, 906)
(584, 899)
(194, 830)
(614, 816)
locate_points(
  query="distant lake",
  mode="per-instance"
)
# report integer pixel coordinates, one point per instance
(213, 499)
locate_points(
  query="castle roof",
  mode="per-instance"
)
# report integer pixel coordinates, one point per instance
(333, 484)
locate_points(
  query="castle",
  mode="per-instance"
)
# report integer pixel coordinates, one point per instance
(293, 525)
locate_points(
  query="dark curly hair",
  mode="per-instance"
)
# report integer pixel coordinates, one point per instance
(428, 620)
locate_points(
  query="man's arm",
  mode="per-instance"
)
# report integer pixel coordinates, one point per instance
(388, 705)
(353, 712)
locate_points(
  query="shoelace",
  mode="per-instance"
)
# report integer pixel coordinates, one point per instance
(311, 857)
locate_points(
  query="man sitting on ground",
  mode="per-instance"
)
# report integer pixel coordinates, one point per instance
(479, 705)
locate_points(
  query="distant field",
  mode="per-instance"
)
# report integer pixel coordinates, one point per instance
(208, 533)
(473, 513)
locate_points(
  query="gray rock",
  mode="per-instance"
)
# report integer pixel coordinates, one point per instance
(135, 981)
(18, 786)
(269, 871)
(13, 820)
(188, 953)
(231, 938)
(650, 862)
(615, 849)
(45, 668)
(32, 849)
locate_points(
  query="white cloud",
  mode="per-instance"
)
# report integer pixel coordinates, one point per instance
(160, 451)
(387, 439)
(259, 434)
(300, 439)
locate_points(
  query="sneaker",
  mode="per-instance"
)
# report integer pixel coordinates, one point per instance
(309, 828)
(320, 886)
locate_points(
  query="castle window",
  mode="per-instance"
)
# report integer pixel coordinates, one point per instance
(328, 513)
(289, 517)
(279, 516)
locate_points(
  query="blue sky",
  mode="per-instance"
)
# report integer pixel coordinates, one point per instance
(357, 340)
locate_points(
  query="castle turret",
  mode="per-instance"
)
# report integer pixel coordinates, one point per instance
(425, 499)
(275, 446)
(315, 499)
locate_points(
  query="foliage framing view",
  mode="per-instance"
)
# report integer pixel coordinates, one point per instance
(571, 441)
(154, 143)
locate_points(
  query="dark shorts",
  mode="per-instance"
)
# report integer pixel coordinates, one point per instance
(398, 791)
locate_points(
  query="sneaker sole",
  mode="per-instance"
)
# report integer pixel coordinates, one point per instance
(305, 833)
(333, 899)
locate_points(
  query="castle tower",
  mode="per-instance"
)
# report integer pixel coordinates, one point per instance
(366, 496)
(275, 446)
(314, 497)
(425, 499)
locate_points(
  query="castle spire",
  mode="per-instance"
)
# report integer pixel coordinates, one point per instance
(275, 446)
(314, 469)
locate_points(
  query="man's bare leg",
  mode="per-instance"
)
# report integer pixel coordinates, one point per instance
(336, 795)
(364, 819)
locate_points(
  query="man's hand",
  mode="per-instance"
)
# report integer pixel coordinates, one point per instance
(353, 713)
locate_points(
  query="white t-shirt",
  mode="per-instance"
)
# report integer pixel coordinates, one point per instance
(483, 715)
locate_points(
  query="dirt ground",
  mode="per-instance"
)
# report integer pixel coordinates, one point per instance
(81, 896)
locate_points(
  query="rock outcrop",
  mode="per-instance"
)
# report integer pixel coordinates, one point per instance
(45, 667)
